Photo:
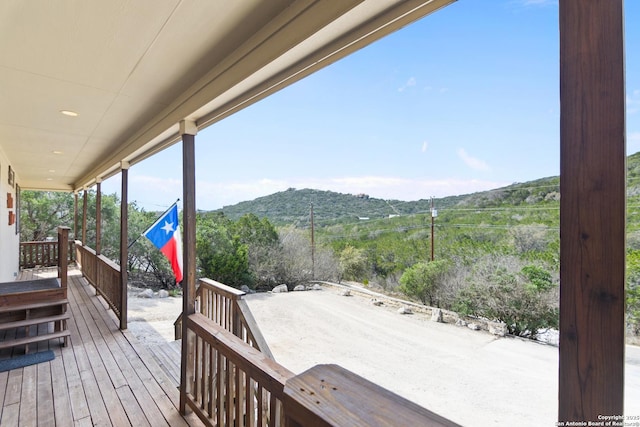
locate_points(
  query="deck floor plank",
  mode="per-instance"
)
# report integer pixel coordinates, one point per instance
(61, 400)
(28, 403)
(145, 385)
(116, 407)
(45, 408)
(11, 415)
(104, 377)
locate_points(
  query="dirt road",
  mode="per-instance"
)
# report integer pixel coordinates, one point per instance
(467, 376)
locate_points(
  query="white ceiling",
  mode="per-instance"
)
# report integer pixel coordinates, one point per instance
(133, 69)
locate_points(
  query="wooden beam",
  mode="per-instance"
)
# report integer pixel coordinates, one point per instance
(98, 217)
(188, 131)
(124, 246)
(592, 210)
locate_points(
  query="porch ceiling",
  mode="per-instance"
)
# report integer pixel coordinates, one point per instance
(132, 69)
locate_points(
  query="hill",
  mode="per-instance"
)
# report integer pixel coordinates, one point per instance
(292, 207)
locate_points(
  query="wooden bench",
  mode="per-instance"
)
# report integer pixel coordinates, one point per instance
(34, 314)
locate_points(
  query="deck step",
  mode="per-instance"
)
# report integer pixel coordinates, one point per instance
(34, 321)
(37, 338)
(31, 306)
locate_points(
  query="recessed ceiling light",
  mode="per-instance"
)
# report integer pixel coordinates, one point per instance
(49, 179)
(56, 152)
(52, 171)
(69, 113)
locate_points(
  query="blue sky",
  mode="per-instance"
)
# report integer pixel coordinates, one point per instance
(464, 100)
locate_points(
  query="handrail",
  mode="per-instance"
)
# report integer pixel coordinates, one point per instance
(103, 274)
(225, 306)
(43, 254)
(229, 382)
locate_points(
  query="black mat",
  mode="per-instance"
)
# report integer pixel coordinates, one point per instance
(26, 360)
(28, 285)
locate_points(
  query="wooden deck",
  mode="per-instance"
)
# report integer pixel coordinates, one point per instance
(103, 378)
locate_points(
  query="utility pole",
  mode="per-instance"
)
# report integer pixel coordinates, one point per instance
(313, 248)
(434, 214)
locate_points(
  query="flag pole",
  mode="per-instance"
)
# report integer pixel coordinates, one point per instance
(154, 223)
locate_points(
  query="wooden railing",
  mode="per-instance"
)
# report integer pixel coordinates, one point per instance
(232, 379)
(225, 306)
(43, 254)
(103, 274)
(230, 383)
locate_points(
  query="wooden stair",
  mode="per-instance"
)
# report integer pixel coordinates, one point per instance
(35, 314)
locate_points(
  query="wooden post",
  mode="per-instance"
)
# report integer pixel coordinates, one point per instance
(63, 256)
(188, 131)
(85, 197)
(124, 250)
(75, 216)
(592, 210)
(98, 217)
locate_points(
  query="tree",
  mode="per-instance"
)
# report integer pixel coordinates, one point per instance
(41, 212)
(353, 263)
(221, 254)
(422, 281)
(263, 248)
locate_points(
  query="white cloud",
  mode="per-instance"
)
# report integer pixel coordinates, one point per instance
(411, 82)
(472, 162)
(425, 145)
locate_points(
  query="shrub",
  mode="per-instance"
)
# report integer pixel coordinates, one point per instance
(422, 280)
(525, 300)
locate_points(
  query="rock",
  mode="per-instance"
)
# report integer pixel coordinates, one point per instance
(376, 302)
(279, 289)
(147, 293)
(245, 289)
(405, 310)
(300, 288)
(473, 327)
(162, 293)
(436, 315)
(461, 322)
(317, 287)
(346, 293)
(497, 328)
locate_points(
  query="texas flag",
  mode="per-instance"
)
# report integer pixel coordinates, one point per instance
(165, 235)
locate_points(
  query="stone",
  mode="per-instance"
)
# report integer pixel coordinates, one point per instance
(279, 289)
(300, 288)
(405, 310)
(317, 287)
(497, 328)
(436, 315)
(147, 293)
(163, 293)
(376, 302)
(346, 293)
(245, 289)
(461, 322)
(473, 327)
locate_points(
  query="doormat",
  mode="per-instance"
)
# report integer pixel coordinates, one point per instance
(26, 360)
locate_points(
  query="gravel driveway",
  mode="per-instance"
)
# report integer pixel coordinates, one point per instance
(470, 377)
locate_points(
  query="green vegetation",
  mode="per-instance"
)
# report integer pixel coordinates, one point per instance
(496, 252)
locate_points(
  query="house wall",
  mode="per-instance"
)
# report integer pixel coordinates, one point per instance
(9, 238)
